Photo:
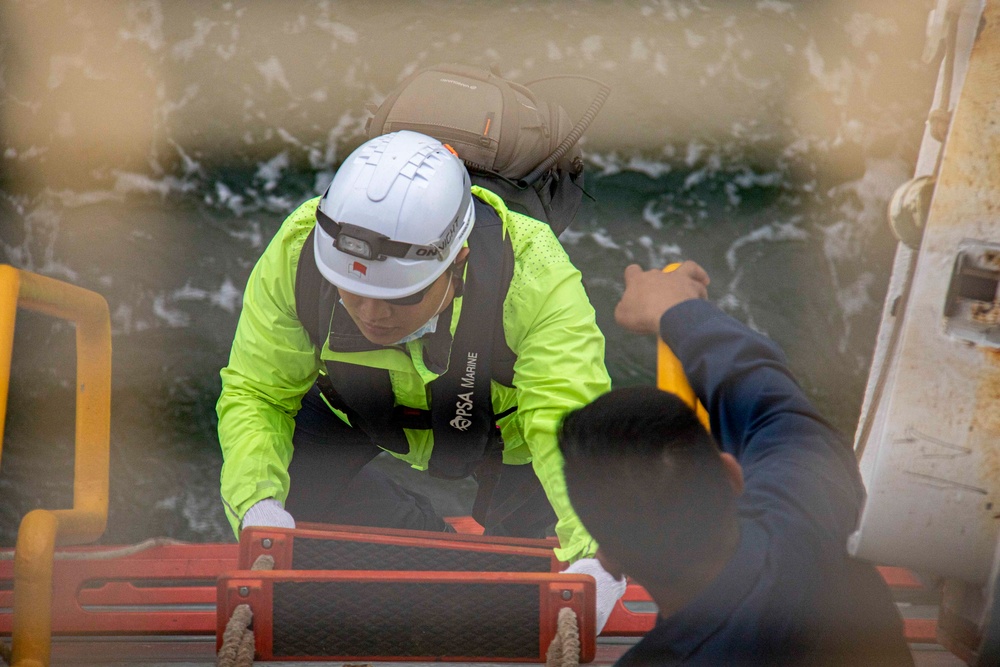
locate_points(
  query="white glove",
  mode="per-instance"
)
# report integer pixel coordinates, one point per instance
(609, 589)
(268, 512)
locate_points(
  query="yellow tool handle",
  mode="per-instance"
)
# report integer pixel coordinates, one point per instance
(670, 373)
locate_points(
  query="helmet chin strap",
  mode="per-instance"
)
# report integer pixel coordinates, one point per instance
(440, 306)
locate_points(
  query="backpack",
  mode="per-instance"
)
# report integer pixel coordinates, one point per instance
(513, 143)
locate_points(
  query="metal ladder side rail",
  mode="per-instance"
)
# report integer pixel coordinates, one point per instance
(42, 530)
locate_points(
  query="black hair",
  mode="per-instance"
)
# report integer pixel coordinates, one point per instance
(647, 481)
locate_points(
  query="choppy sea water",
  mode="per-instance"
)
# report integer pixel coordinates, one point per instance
(149, 150)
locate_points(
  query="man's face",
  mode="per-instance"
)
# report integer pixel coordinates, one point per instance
(383, 323)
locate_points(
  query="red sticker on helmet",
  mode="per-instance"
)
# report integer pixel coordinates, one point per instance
(358, 269)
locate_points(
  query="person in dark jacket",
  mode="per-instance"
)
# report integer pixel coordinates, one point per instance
(739, 538)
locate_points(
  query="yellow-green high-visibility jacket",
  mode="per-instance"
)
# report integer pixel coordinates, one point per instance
(548, 322)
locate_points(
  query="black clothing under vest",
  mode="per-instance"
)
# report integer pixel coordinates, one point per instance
(461, 413)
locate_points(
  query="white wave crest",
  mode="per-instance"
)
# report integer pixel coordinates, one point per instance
(774, 232)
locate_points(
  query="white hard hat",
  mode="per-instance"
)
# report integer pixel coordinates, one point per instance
(395, 216)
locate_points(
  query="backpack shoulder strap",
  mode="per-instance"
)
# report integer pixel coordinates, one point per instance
(503, 356)
(315, 296)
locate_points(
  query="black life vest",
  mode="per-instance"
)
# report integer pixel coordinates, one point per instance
(461, 413)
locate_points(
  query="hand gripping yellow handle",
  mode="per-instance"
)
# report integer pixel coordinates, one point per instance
(670, 374)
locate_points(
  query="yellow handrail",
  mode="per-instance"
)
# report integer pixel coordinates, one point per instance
(670, 374)
(42, 530)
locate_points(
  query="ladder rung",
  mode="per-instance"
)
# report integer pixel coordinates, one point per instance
(365, 615)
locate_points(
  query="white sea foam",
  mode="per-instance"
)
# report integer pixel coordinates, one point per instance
(652, 168)
(172, 317)
(270, 171)
(143, 24)
(185, 49)
(322, 181)
(604, 240)
(29, 153)
(659, 255)
(169, 503)
(340, 31)
(121, 319)
(60, 66)
(729, 302)
(862, 214)
(871, 192)
(570, 237)
(775, 6)
(168, 107)
(748, 178)
(200, 510)
(37, 250)
(639, 51)
(732, 191)
(608, 164)
(289, 138)
(188, 293)
(191, 166)
(227, 51)
(862, 25)
(126, 182)
(695, 178)
(72, 199)
(251, 233)
(855, 298)
(611, 163)
(227, 297)
(229, 199)
(223, 192)
(773, 232)
(652, 216)
(837, 80)
(273, 73)
(695, 149)
(279, 204)
(590, 46)
(693, 39)
(348, 124)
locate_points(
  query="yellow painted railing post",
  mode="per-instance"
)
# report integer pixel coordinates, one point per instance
(10, 285)
(32, 627)
(42, 530)
(670, 374)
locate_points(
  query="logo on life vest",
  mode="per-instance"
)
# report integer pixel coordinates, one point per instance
(358, 269)
(463, 406)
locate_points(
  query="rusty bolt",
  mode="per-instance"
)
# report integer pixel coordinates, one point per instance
(244, 591)
(266, 542)
(566, 595)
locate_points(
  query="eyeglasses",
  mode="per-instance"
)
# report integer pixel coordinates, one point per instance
(417, 297)
(412, 299)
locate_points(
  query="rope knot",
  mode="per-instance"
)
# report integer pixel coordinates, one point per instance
(564, 651)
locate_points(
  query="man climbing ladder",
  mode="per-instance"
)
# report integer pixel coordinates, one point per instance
(446, 320)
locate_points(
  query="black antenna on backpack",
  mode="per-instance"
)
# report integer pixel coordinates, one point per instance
(574, 134)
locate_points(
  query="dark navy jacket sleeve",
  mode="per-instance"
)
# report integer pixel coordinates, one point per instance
(792, 458)
(789, 594)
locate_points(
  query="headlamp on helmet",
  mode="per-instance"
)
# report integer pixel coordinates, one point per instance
(370, 245)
